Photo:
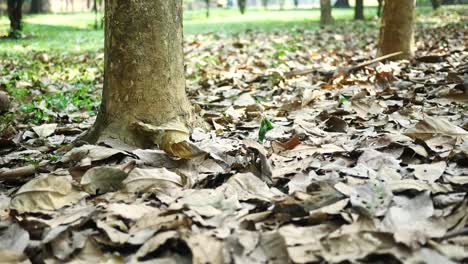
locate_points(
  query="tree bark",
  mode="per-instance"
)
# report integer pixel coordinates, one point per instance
(342, 4)
(397, 28)
(435, 4)
(325, 12)
(144, 81)
(359, 10)
(242, 4)
(15, 14)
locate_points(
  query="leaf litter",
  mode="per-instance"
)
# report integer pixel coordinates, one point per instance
(304, 162)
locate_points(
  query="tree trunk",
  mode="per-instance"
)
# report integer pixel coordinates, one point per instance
(296, 3)
(15, 14)
(265, 4)
(325, 12)
(144, 83)
(435, 4)
(36, 7)
(207, 8)
(342, 4)
(242, 4)
(281, 4)
(397, 28)
(379, 7)
(359, 10)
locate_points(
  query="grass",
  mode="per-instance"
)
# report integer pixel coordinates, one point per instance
(75, 32)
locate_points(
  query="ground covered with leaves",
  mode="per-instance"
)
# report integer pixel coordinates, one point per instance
(308, 159)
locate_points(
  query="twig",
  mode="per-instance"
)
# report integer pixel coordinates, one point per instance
(455, 233)
(346, 70)
(16, 173)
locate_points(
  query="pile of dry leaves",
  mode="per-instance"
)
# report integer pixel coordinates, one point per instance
(368, 165)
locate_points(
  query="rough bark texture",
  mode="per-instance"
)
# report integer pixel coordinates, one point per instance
(242, 5)
(144, 71)
(325, 12)
(342, 4)
(15, 15)
(397, 28)
(359, 10)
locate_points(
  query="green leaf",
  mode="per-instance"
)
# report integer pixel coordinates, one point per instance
(265, 126)
(343, 99)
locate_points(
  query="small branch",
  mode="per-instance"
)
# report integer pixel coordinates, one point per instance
(455, 233)
(14, 174)
(344, 71)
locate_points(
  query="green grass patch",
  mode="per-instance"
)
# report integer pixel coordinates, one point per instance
(75, 33)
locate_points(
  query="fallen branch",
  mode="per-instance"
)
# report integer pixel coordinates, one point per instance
(346, 70)
(14, 174)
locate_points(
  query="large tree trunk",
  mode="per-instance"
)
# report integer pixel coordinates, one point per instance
(242, 4)
(359, 10)
(325, 12)
(342, 4)
(15, 14)
(144, 84)
(397, 28)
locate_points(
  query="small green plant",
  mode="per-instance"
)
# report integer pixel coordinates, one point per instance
(265, 126)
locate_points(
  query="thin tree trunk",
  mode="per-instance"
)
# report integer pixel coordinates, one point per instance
(281, 4)
(296, 3)
(265, 4)
(144, 71)
(15, 14)
(435, 4)
(96, 14)
(207, 8)
(36, 7)
(379, 7)
(242, 4)
(325, 12)
(342, 4)
(397, 28)
(359, 10)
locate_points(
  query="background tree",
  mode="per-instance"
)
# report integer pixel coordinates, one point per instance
(38, 6)
(359, 10)
(144, 83)
(435, 4)
(325, 12)
(342, 4)
(207, 2)
(281, 4)
(296, 3)
(265, 4)
(242, 4)
(397, 28)
(379, 7)
(14, 9)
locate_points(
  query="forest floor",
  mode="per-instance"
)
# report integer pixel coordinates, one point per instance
(305, 161)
